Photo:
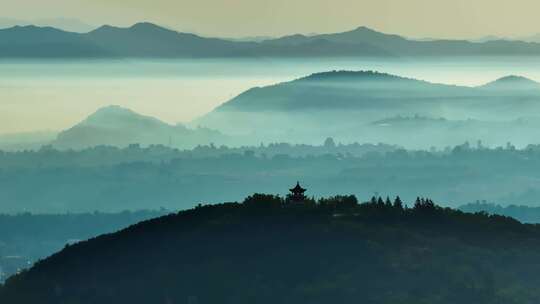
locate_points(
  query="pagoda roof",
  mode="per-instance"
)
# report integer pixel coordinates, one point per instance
(297, 189)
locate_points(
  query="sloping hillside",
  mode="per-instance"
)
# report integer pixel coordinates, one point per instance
(117, 126)
(265, 252)
(342, 103)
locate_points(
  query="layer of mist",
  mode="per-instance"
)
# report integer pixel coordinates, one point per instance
(113, 179)
(55, 95)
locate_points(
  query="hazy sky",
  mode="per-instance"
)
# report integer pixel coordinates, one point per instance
(415, 18)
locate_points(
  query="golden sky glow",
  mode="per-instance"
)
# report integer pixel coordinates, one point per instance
(415, 18)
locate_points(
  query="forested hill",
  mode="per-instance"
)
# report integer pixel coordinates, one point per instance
(524, 214)
(265, 250)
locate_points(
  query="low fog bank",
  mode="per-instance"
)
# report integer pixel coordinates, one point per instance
(412, 129)
(26, 141)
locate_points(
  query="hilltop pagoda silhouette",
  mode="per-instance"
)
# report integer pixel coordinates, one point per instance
(297, 194)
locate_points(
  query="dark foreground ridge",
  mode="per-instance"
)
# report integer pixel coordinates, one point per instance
(273, 250)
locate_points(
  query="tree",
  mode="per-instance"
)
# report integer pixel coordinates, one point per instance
(263, 201)
(424, 205)
(340, 202)
(388, 203)
(418, 203)
(329, 143)
(398, 203)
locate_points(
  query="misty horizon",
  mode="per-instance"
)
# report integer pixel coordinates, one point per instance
(24, 81)
(476, 19)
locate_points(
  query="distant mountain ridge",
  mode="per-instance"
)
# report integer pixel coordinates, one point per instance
(147, 40)
(47, 42)
(66, 24)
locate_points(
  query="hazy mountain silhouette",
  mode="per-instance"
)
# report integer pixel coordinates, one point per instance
(149, 40)
(364, 90)
(118, 126)
(66, 24)
(47, 42)
(402, 46)
(342, 102)
(513, 84)
(139, 40)
(359, 35)
(340, 90)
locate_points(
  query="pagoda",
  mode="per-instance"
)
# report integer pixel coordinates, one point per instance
(297, 193)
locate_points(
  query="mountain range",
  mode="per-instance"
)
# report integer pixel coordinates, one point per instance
(147, 40)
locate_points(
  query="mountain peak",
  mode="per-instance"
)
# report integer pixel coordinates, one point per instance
(350, 75)
(365, 35)
(147, 26)
(113, 110)
(118, 126)
(364, 29)
(104, 29)
(33, 28)
(115, 114)
(514, 78)
(369, 32)
(141, 27)
(513, 82)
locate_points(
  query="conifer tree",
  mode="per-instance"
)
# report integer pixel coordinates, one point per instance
(398, 203)
(388, 203)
